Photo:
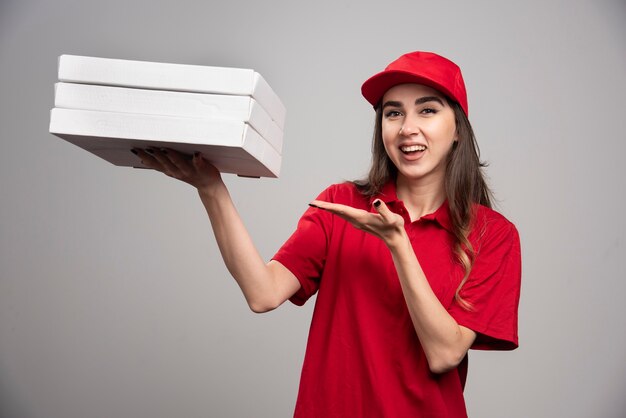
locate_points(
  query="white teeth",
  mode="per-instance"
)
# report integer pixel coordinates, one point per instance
(413, 148)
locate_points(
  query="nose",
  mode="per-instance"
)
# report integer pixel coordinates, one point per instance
(409, 126)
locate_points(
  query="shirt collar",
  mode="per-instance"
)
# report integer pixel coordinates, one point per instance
(389, 195)
(441, 216)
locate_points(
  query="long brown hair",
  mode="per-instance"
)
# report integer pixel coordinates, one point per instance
(464, 185)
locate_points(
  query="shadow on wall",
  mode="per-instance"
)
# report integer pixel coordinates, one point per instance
(11, 406)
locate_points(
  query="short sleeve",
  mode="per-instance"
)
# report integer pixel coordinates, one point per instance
(304, 253)
(493, 288)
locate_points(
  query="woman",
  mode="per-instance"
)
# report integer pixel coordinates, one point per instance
(411, 266)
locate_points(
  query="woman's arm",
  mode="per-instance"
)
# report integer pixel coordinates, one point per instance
(444, 341)
(265, 286)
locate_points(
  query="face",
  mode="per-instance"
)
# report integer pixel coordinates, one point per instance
(418, 130)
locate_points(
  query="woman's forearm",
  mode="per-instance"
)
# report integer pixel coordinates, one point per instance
(265, 286)
(445, 343)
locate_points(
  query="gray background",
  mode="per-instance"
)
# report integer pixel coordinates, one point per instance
(113, 298)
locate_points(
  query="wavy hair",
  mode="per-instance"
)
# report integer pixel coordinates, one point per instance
(464, 185)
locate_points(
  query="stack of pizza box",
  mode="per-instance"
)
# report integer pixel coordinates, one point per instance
(111, 106)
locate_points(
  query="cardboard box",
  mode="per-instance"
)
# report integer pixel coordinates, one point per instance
(177, 77)
(232, 146)
(169, 103)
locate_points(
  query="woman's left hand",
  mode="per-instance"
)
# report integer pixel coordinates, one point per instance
(384, 224)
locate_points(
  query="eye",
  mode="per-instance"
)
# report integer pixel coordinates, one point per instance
(429, 110)
(393, 114)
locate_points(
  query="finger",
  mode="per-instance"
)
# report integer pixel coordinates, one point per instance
(317, 204)
(201, 163)
(382, 209)
(357, 217)
(147, 159)
(335, 208)
(178, 160)
(169, 168)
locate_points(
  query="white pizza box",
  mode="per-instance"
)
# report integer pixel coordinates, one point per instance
(232, 146)
(169, 103)
(177, 77)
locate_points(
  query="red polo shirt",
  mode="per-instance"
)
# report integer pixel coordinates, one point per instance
(363, 357)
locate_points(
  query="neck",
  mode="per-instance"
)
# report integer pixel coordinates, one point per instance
(420, 198)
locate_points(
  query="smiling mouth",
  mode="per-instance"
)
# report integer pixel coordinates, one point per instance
(410, 149)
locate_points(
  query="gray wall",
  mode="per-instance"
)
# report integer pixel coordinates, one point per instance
(113, 299)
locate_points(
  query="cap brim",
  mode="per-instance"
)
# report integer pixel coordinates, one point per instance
(376, 86)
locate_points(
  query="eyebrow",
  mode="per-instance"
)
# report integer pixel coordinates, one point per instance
(417, 102)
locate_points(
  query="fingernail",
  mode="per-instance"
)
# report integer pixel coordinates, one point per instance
(376, 203)
(134, 151)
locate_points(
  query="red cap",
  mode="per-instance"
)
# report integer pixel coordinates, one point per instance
(425, 68)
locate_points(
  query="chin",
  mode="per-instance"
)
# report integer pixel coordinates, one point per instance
(420, 173)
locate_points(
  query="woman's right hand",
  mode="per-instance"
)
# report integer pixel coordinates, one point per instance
(196, 171)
